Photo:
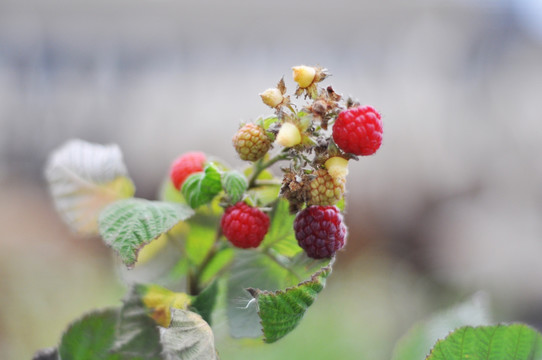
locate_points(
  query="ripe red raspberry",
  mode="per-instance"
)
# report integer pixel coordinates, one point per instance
(251, 142)
(244, 226)
(324, 189)
(320, 231)
(184, 166)
(358, 130)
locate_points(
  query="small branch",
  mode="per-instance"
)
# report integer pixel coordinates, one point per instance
(260, 166)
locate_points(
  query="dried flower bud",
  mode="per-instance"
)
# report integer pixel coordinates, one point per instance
(272, 97)
(337, 167)
(288, 135)
(304, 75)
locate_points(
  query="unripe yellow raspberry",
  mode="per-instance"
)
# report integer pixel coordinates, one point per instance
(272, 97)
(288, 135)
(304, 75)
(325, 190)
(251, 142)
(337, 167)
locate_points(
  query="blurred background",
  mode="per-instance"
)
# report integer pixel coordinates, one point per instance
(451, 204)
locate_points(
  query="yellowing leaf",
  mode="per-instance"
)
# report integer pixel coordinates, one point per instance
(160, 300)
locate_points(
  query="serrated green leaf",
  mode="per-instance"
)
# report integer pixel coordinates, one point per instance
(235, 185)
(189, 337)
(127, 225)
(282, 310)
(90, 337)
(84, 178)
(281, 236)
(415, 344)
(265, 271)
(499, 342)
(137, 333)
(200, 188)
(204, 303)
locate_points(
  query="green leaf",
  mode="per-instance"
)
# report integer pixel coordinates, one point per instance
(499, 342)
(204, 303)
(84, 178)
(235, 185)
(282, 310)
(265, 195)
(220, 261)
(202, 187)
(137, 333)
(267, 122)
(90, 337)
(265, 271)
(415, 344)
(127, 225)
(281, 236)
(201, 238)
(189, 337)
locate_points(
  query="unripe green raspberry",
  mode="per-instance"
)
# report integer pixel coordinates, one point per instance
(251, 142)
(325, 190)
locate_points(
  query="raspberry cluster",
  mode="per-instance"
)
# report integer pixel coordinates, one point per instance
(319, 139)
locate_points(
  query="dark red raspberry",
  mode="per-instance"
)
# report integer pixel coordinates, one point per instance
(244, 226)
(320, 231)
(358, 130)
(184, 166)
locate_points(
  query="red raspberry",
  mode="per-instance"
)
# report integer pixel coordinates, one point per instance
(251, 142)
(358, 130)
(320, 231)
(184, 166)
(325, 190)
(244, 226)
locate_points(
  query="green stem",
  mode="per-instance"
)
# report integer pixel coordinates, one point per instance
(260, 166)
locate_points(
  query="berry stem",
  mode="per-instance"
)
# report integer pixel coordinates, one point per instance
(260, 166)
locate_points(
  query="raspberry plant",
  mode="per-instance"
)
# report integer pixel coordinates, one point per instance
(263, 243)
